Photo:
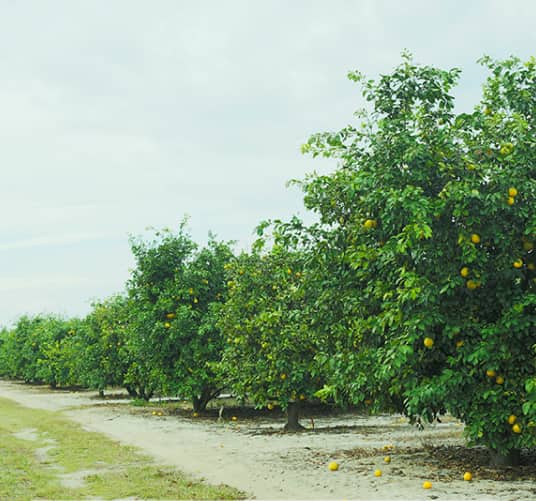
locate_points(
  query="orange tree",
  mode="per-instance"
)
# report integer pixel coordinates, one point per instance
(21, 350)
(437, 216)
(101, 354)
(59, 351)
(175, 294)
(270, 354)
(41, 350)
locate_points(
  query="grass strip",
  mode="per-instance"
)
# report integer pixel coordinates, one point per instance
(44, 455)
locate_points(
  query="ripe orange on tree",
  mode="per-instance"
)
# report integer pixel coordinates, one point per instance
(472, 284)
(370, 223)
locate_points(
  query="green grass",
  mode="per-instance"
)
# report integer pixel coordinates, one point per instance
(106, 469)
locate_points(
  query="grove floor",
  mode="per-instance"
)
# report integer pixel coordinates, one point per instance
(252, 453)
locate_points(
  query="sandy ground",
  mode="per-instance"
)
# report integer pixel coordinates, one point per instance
(252, 455)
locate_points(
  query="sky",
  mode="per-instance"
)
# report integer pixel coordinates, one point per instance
(119, 115)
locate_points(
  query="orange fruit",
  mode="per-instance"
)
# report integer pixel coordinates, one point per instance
(377, 473)
(516, 428)
(499, 380)
(467, 476)
(427, 485)
(464, 272)
(512, 192)
(510, 200)
(428, 342)
(475, 238)
(518, 263)
(283, 376)
(387, 459)
(512, 419)
(370, 223)
(472, 284)
(333, 466)
(490, 373)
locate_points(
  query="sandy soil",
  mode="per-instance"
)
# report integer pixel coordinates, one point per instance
(254, 456)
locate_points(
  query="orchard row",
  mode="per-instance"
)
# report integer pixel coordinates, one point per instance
(413, 291)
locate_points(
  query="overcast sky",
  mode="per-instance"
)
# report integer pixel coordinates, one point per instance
(119, 115)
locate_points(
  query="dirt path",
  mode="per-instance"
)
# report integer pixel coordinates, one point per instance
(249, 455)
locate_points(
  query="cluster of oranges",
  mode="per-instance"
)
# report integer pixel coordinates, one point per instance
(492, 374)
(517, 263)
(512, 193)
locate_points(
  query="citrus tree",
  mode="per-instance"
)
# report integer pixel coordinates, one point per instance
(270, 353)
(192, 308)
(56, 338)
(175, 293)
(100, 345)
(436, 211)
(40, 349)
(21, 350)
(4, 335)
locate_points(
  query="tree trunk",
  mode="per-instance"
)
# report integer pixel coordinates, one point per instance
(131, 391)
(200, 402)
(293, 414)
(510, 458)
(145, 394)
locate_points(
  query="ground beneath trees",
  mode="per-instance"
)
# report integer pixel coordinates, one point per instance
(252, 454)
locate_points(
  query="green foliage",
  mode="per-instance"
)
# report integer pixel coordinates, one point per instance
(270, 353)
(40, 350)
(421, 195)
(175, 295)
(101, 343)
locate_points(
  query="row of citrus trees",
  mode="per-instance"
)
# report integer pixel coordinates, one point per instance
(414, 290)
